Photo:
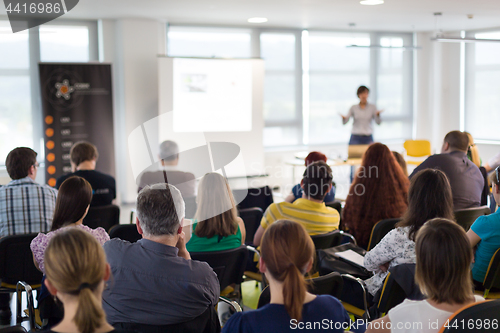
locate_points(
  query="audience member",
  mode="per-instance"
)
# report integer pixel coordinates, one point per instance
(83, 157)
(155, 281)
(76, 272)
(379, 191)
(485, 233)
(429, 197)
(216, 226)
(473, 151)
(287, 254)
(466, 180)
(401, 161)
(72, 205)
(493, 163)
(297, 189)
(25, 206)
(310, 210)
(169, 173)
(444, 257)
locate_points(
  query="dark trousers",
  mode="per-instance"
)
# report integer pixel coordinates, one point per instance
(359, 140)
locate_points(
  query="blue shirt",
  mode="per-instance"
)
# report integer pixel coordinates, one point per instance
(150, 284)
(324, 314)
(297, 193)
(487, 227)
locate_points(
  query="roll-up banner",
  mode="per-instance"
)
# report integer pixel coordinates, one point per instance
(77, 105)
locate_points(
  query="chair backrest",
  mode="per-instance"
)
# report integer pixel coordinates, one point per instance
(16, 260)
(191, 207)
(465, 217)
(102, 216)
(13, 329)
(330, 284)
(126, 232)
(380, 229)
(335, 205)
(207, 322)
(229, 265)
(492, 277)
(328, 240)
(251, 217)
(417, 148)
(473, 318)
(255, 197)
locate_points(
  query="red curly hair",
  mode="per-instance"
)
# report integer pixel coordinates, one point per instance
(379, 191)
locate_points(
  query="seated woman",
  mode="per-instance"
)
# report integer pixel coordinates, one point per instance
(72, 204)
(297, 189)
(216, 226)
(429, 197)
(379, 191)
(76, 269)
(442, 272)
(401, 161)
(485, 233)
(287, 253)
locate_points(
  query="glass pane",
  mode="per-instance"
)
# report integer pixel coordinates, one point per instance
(483, 119)
(282, 136)
(278, 51)
(14, 52)
(487, 53)
(388, 130)
(16, 128)
(64, 43)
(279, 97)
(208, 43)
(331, 94)
(391, 58)
(330, 52)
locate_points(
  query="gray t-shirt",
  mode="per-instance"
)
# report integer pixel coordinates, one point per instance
(362, 119)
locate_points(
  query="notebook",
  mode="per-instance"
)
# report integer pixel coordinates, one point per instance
(352, 257)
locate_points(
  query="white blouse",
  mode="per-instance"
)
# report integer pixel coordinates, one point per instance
(395, 248)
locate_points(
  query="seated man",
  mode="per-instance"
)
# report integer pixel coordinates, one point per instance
(310, 210)
(83, 157)
(169, 159)
(25, 206)
(466, 180)
(154, 280)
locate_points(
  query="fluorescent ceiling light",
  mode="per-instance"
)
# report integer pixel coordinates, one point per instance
(371, 2)
(257, 20)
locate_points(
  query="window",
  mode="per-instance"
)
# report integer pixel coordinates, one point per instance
(482, 100)
(15, 91)
(64, 43)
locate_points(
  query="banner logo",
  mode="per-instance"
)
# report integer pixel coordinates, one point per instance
(25, 14)
(64, 89)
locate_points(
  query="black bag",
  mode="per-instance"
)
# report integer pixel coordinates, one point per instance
(329, 263)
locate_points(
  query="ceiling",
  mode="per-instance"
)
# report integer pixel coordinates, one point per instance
(394, 15)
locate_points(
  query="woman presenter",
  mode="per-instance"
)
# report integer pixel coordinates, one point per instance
(363, 114)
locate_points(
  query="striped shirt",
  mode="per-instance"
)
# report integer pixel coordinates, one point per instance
(26, 207)
(315, 217)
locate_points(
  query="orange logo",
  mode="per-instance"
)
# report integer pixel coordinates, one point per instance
(49, 132)
(50, 144)
(49, 120)
(51, 170)
(51, 157)
(52, 182)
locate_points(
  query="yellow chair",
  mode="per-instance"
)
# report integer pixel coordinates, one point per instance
(417, 148)
(492, 278)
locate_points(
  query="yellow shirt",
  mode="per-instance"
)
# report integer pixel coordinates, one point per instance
(315, 217)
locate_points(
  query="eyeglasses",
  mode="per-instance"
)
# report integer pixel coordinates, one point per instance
(36, 165)
(496, 172)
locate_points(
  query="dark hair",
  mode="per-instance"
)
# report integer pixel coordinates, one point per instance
(83, 151)
(73, 198)
(19, 161)
(495, 176)
(457, 140)
(379, 191)
(315, 156)
(316, 180)
(286, 250)
(169, 150)
(401, 161)
(160, 209)
(429, 197)
(444, 256)
(76, 264)
(361, 90)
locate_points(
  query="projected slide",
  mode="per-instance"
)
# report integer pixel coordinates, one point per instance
(211, 95)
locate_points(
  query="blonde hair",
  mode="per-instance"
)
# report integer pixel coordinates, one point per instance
(216, 212)
(473, 151)
(75, 264)
(444, 256)
(286, 250)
